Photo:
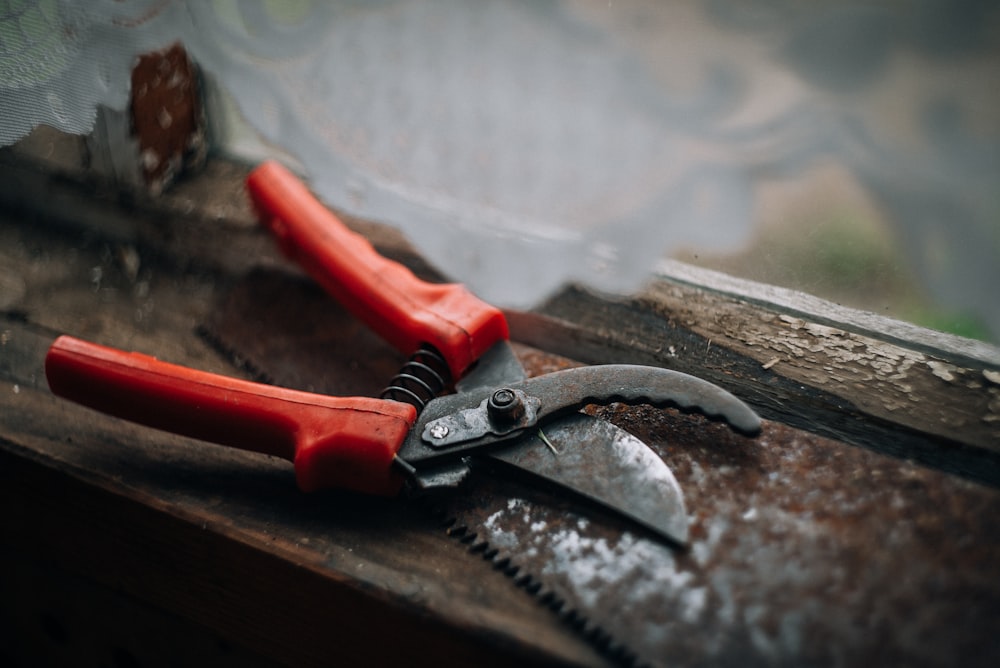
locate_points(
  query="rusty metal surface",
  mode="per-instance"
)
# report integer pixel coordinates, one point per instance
(167, 120)
(804, 550)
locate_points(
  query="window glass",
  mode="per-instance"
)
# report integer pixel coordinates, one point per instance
(848, 149)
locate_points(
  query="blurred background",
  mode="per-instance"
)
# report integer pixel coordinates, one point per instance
(849, 150)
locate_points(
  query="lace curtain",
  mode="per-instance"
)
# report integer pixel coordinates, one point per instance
(521, 145)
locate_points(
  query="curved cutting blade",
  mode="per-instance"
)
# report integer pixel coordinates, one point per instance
(606, 465)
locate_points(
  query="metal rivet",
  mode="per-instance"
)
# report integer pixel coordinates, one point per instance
(503, 398)
(438, 431)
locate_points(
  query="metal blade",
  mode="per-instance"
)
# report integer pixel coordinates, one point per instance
(472, 420)
(606, 465)
(496, 367)
(632, 384)
(259, 327)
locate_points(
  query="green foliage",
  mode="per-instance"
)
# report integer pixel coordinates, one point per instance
(962, 324)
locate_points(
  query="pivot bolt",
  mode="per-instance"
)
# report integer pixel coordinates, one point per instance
(505, 406)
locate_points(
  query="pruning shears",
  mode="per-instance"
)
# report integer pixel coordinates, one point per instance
(413, 435)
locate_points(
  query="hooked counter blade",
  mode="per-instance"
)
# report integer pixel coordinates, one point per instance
(606, 465)
(486, 415)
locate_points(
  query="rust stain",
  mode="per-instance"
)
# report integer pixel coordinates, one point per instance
(803, 550)
(167, 118)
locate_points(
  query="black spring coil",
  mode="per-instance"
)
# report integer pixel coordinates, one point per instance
(423, 377)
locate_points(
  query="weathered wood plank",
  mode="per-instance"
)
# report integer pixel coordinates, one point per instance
(800, 545)
(952, 348)
(837, 371)
(223, 537)
(874, 394)
(52, 617)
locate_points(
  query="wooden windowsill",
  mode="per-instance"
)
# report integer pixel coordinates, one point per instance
(222, 542)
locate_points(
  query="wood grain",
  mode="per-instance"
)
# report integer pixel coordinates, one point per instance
(218, 537)
(932, 409)
(222, 540)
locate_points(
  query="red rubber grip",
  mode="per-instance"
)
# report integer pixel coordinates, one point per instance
(401, 308)
(333, 441)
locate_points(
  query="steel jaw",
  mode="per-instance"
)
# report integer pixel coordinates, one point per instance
(590, 458)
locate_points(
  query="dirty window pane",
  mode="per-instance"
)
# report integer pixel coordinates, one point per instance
(847, 149)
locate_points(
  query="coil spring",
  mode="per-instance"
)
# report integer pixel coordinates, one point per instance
(421, 379)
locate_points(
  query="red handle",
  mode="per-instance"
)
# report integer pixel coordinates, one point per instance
(333, 441)
(403, 309)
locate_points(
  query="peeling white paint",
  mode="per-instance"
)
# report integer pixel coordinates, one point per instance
(943, 370)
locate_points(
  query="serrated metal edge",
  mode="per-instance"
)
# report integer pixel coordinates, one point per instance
(233, 356)
(602, 641)
(595, 635)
